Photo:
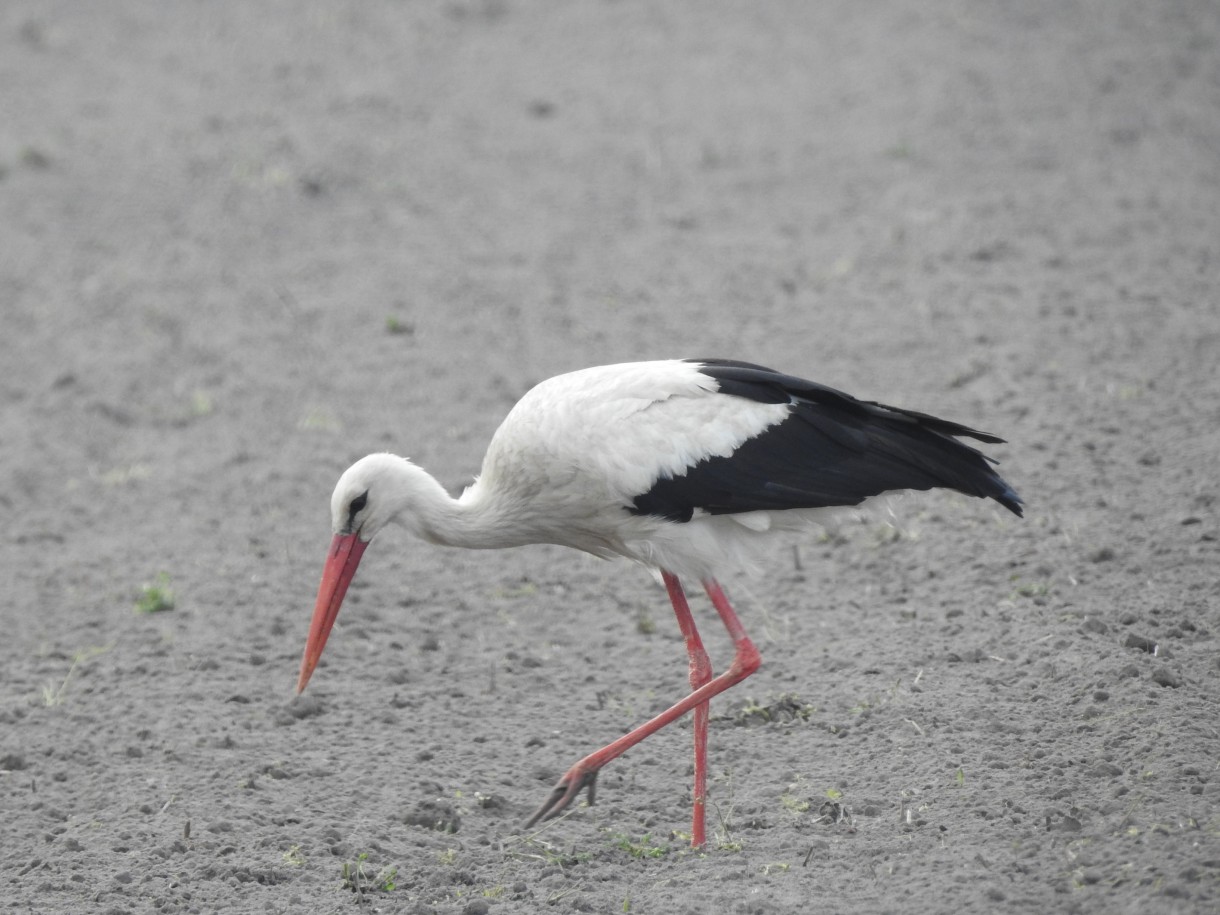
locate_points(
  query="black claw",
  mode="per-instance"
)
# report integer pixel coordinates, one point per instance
(561, 796)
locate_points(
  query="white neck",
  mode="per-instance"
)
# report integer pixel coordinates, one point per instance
(413, 497)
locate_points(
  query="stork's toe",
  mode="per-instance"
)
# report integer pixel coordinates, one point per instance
(566, 790)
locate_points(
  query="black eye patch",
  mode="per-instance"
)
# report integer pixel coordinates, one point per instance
(356, 507)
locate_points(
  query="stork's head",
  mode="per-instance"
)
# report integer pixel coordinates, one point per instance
(368, 496)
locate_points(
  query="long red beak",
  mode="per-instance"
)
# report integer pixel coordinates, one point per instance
(337, 574)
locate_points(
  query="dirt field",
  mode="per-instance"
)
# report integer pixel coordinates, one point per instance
(243, 244)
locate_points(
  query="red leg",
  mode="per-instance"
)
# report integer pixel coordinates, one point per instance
(700, 673)
(745, 661)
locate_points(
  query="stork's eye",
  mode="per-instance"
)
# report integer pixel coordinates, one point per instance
(356, 507)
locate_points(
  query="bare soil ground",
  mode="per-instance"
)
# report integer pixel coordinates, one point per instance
(242, 244)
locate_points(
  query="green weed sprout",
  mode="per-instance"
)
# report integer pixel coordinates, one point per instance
(156, 597)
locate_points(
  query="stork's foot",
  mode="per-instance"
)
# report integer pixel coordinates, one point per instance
(566, 790)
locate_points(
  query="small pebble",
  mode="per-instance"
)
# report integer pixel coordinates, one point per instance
(1166, 677)
(1138, 641)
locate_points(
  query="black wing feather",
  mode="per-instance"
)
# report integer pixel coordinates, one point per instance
(831, 450)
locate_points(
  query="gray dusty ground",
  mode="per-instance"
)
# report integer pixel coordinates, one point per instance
(242, 244)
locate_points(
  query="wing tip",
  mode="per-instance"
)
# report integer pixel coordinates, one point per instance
(1009, 498)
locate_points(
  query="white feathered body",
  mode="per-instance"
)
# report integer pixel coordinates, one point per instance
(570, 457)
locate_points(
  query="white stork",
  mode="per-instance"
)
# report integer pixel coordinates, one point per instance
(685, 466)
